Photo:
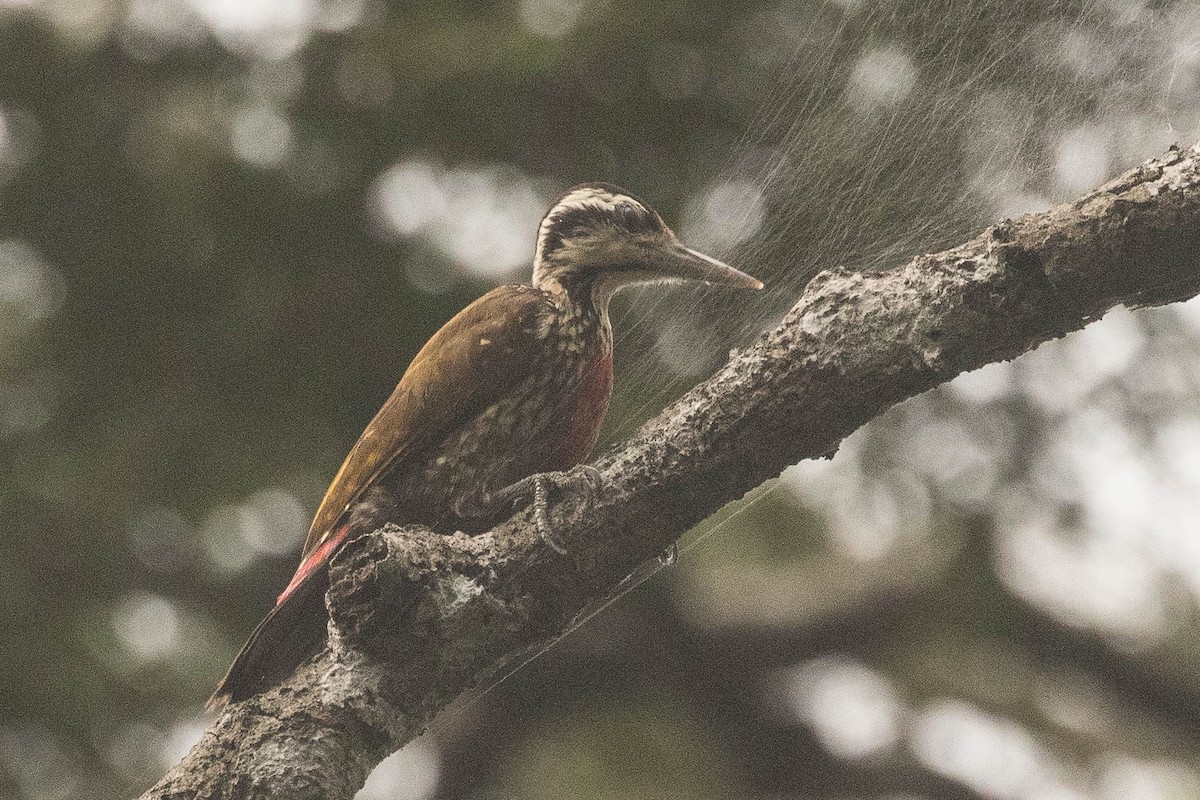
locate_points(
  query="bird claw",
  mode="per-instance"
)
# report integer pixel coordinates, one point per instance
(593, 477)
(586, 477)
(541, 515)
(535, 490)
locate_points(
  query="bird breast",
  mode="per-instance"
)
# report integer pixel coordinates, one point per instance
(548, 421)
(587, 408)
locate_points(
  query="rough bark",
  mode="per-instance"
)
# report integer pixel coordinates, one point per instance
(418, 618)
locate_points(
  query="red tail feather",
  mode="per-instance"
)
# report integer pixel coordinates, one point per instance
(316, 560)
(293, 631)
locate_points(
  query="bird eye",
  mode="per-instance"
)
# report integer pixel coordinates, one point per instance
(630, 217)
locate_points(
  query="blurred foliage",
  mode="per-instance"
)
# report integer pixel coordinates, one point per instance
(226, 227)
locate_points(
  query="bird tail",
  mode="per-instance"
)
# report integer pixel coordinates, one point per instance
(293, 631)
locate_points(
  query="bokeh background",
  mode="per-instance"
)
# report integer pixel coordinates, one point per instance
(226, 225)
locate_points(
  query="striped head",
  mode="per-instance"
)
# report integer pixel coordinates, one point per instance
(598, 238)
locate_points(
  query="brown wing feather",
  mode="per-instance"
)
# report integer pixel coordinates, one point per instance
(485, 349)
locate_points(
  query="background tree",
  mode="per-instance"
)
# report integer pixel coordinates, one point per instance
(223, 232)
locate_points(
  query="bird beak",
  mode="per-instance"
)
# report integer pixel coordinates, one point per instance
(690, 265)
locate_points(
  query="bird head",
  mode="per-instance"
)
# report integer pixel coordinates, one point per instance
(597, 239)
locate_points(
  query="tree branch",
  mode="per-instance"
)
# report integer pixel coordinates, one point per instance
(418, 618)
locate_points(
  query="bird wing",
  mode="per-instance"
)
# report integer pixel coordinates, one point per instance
(484, 350)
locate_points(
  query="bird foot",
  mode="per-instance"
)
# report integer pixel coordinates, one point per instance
(584, 476)
(535, 492)
(541, 515)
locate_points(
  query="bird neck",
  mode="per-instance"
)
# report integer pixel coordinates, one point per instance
(583, 310)
(586, 299)
(584, 284)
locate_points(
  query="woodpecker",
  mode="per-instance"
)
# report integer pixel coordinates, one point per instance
(516, 385)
